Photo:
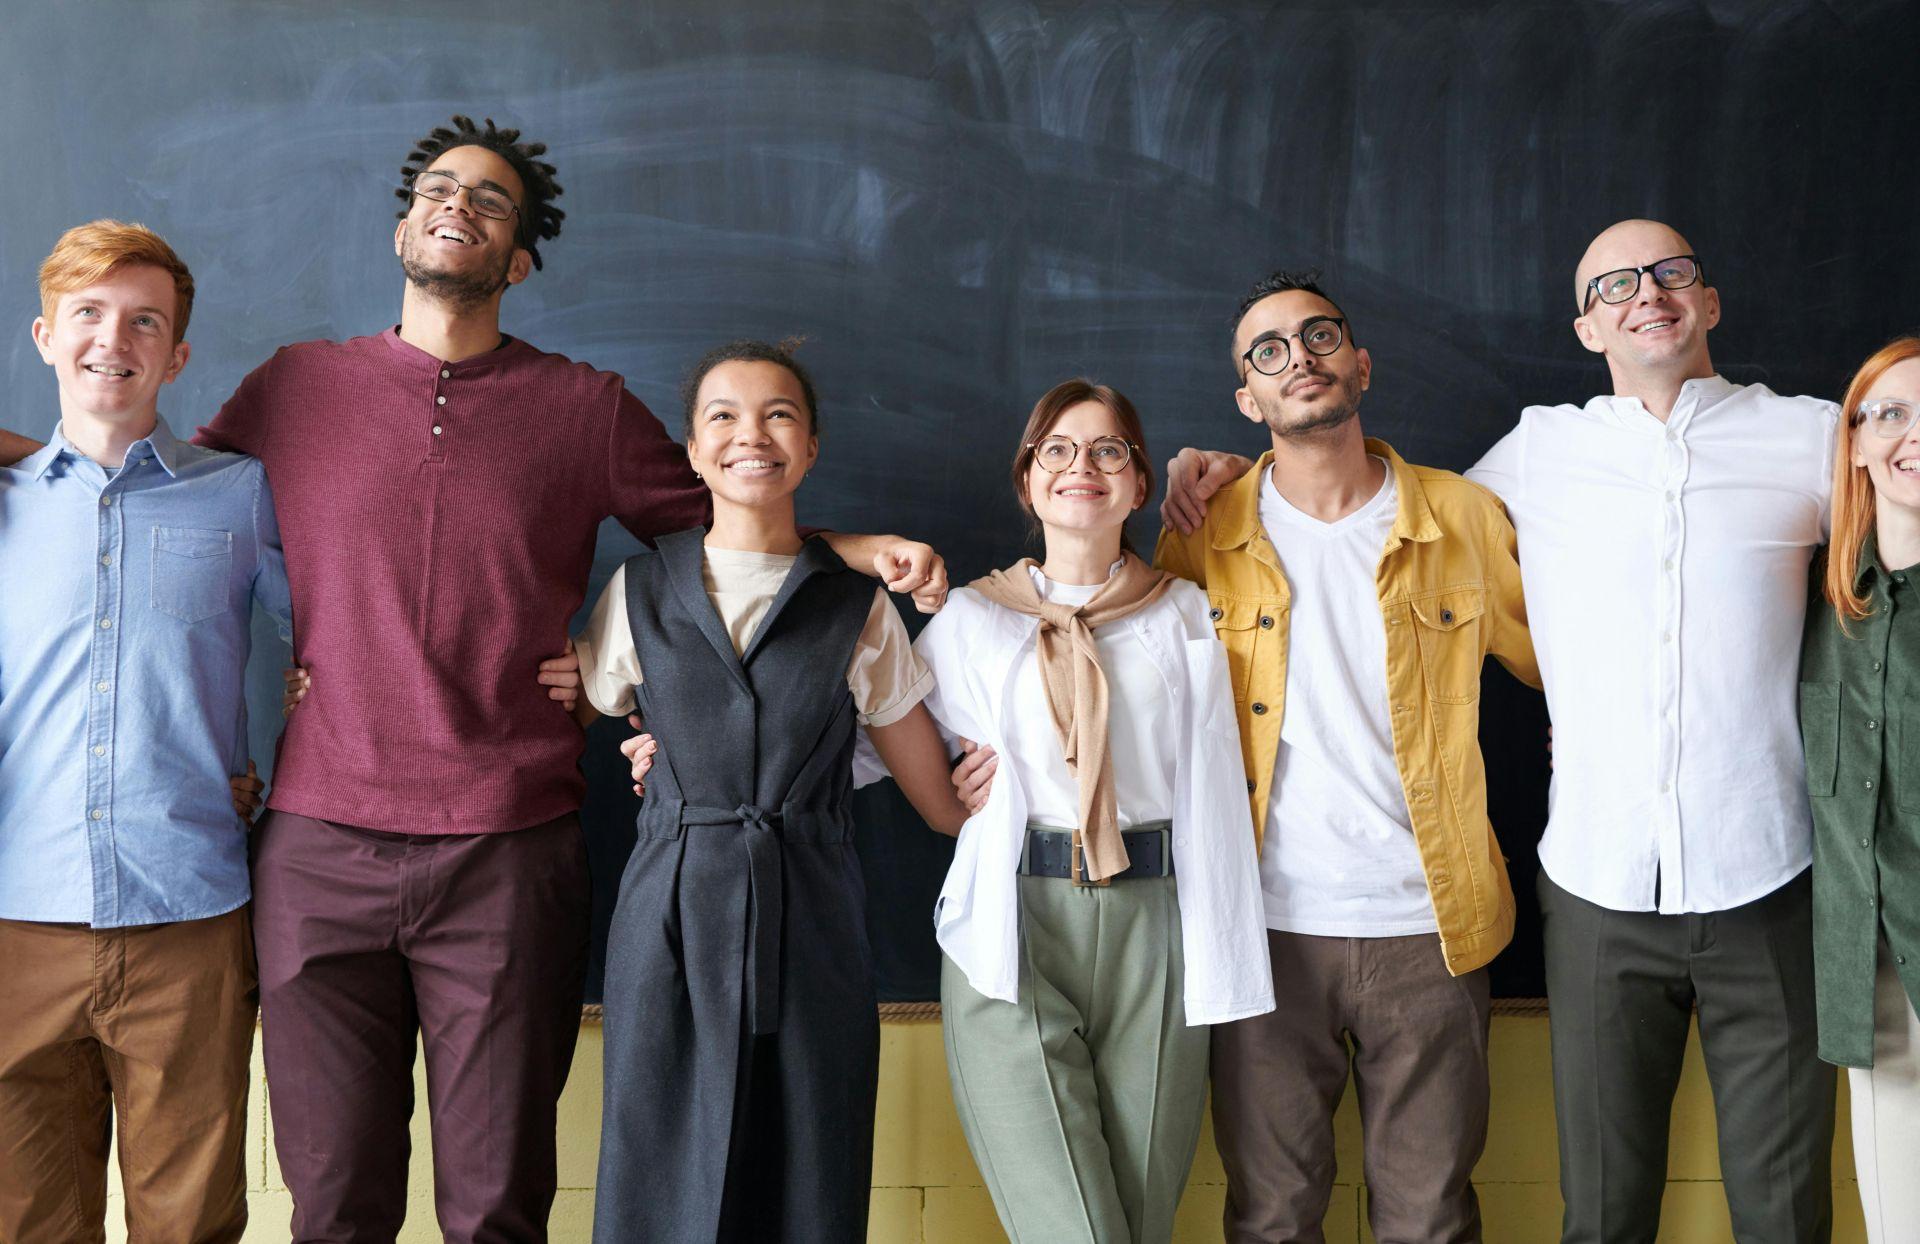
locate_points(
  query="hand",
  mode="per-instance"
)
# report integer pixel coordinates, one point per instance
(1193, 476)
(912, 567)
(561, 677)
(639, 752)
(246, 794)
(299, 682)
(973, 776)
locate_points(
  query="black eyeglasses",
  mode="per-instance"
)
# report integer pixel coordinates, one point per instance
(1623, 283)
(442, 187)
(1269, 355)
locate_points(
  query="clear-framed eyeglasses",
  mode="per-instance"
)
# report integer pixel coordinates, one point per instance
(1617, 286)
(1888, 417)
(442, 187)
(1109, 455)
(1321, 336)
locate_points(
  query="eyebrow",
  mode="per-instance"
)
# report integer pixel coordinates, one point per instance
(724, 400)
(80, 303)
(1273, 333)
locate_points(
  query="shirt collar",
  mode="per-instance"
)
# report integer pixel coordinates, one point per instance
(1238, 504)
(166, 450)
(1706, 392)
(1866, 568)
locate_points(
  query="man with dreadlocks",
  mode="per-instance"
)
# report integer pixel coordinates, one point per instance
(422, 871)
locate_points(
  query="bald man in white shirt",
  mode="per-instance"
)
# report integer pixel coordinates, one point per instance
(1665, 532)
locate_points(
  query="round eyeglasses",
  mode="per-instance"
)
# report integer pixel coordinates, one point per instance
(1888, 417)
(1108, 454)
(1623, 283)
(1270, 354)
(442, 187)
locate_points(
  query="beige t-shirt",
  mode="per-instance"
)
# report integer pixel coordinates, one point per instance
(887, 677)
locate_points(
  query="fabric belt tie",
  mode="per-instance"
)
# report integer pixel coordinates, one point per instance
(761, 836)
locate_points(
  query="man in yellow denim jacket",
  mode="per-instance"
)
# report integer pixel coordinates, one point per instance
(1358, 598)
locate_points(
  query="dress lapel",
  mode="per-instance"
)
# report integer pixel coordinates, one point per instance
(684, 555)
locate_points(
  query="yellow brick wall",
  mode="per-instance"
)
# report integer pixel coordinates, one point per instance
(926, 1190)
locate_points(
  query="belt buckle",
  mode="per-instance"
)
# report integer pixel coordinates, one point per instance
(1078, 872)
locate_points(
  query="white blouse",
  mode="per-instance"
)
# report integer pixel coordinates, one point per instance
(979, 652)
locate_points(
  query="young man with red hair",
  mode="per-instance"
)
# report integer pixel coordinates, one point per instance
(129, 987)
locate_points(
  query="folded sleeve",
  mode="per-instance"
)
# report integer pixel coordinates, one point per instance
(609, 663)
(887, 677)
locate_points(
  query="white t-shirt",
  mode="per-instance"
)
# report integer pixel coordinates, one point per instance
(1339, 859)
(1140, 725)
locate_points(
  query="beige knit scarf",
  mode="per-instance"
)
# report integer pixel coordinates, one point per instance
(1077, 687)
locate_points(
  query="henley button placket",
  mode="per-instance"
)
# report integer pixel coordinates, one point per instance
(436, 427)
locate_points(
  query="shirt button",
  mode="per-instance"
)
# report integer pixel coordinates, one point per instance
(1667, 565)
(1259, 710)
(436, 429)
(1865, 843)
(1446, 617)
(106, 501)
(1250, 785)
(1869, 785)
(1666, 788)
(1266, 624)
(106, 559)
(99, 814)
(1667, 637)
(106, 624)
(1213, 615)
(1873, 725)
(445, 374)
(100, 687)
(1901, 960)
(99, 751)
(440, 401)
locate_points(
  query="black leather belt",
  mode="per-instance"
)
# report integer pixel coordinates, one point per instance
(1050, 853)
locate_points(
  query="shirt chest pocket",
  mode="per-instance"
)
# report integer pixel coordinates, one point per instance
(1239, 624)
(192, 567)
(1447, 626)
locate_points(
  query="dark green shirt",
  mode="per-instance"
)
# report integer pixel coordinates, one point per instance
(1860, 725)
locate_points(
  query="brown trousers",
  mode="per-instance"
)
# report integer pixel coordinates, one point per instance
(153, 1023)
(1416, 1041)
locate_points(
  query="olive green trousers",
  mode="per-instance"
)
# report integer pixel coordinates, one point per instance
(1082, 1100)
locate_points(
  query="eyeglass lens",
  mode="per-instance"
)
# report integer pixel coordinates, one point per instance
(1888, 417)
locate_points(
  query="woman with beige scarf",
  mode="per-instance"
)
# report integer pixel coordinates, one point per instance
(1104, 901)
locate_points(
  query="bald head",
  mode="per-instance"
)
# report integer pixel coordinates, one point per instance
(1629, 244)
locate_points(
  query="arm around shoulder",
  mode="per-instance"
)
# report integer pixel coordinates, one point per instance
(14, 447)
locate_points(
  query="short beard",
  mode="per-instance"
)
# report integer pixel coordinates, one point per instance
(462, 293)
(1316, 424)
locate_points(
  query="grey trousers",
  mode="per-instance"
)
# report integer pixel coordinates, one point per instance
(1623, 986)
(1416, 1040)
(1082, 1100)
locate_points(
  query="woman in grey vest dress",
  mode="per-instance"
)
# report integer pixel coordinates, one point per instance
(742, 1038)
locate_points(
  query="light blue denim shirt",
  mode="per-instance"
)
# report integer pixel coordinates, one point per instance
(125, 603)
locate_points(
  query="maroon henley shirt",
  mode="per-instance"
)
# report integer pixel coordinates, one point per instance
(439, 522)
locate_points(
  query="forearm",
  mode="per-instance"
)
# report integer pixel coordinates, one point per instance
(14, 447)
(913, 753)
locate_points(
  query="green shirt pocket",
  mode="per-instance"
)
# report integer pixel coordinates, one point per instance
(1820, 735)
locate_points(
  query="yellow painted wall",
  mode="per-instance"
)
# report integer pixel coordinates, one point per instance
(926, 1190)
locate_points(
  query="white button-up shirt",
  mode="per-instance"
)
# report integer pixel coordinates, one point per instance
(1666, 577)
(977, 651)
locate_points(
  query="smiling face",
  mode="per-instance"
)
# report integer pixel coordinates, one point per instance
(111, 345)
(752, 437)
(1081, 498)
(1313, 393)
(1892, 462)
(1657, 331)
(453, 253)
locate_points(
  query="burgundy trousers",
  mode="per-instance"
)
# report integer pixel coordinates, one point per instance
(476, 945)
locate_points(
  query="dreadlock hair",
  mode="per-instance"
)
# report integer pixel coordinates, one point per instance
(746, 351)
(538, 219)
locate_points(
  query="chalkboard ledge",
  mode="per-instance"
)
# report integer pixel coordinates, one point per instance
(929, 1012)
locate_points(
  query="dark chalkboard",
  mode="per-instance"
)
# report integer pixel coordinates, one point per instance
(960, 204)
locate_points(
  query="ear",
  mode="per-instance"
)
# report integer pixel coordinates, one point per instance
(399, 235)
(1713, 307)
(1366, 368)
(174, 364)
(43, 339)
(520, 266)
(1139, 491)
(1589, 335)
(1243, 398)
(813, 450)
